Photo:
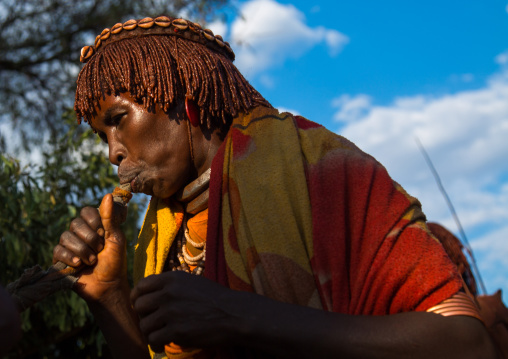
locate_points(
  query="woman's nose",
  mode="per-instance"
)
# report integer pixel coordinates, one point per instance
(116, 153)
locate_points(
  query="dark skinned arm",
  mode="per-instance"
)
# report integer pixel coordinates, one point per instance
(10, 324)
(97, 241)
(195, 312)
(331, 335)
(120, 325)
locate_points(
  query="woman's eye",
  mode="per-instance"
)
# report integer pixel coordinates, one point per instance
(117, 119)
(114, 120)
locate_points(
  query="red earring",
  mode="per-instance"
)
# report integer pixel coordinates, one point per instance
(192, 112)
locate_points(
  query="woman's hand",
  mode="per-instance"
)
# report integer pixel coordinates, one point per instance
(185, 309)
(95, 240)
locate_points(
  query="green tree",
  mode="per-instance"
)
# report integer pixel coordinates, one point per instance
(40, 42)
(36, 206)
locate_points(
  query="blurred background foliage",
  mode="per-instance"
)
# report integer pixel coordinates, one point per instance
(36, 206)
(67, 168)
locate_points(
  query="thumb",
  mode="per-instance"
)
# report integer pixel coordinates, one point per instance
(111, 216)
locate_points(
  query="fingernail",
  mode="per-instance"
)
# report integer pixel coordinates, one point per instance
(92, 259)
(75, 260)
(100, 232)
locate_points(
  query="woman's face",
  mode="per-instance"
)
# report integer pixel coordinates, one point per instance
(151, 150)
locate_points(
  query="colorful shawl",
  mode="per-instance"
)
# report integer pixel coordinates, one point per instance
(301, 215)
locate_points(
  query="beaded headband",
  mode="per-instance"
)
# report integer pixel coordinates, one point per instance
(161, 25)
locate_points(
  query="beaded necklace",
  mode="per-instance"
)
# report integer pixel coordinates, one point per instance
(194, 197)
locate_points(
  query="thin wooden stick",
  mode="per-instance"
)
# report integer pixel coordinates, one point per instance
(469, 250)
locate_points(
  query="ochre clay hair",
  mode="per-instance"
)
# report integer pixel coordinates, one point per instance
(161, 61)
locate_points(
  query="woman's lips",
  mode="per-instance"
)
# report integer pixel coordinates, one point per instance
(134, 184)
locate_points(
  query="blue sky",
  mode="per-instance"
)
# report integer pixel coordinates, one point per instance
(383, 73)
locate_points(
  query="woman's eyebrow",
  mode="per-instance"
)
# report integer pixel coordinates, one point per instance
(109, 114)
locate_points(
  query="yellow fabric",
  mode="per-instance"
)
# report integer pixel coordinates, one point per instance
(266, 206)
(162, 221)
(160, 227)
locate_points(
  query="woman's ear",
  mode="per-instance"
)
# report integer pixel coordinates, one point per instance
(192, 110)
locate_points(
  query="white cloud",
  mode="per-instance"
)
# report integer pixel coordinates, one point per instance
(466, 136)
(284, 109)
(334, 39)
(218, 27)
(502, 58)
(351, 108)
(266, 33)
(493, 251)
(472, 125)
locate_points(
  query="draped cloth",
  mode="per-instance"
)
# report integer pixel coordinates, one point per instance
(162, 222)
(301, 215)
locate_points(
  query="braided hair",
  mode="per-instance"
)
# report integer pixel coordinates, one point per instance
(161, 64)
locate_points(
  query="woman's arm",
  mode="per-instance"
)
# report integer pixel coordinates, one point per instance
(195, 312)
(96, 240)
(10, 324)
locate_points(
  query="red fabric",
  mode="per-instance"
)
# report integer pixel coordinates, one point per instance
(215, 261)
(362, 269)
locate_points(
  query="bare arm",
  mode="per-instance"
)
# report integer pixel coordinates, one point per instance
(120, 325)
(10, 325)
(97, 241)
(295, 330)
(195, 312)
